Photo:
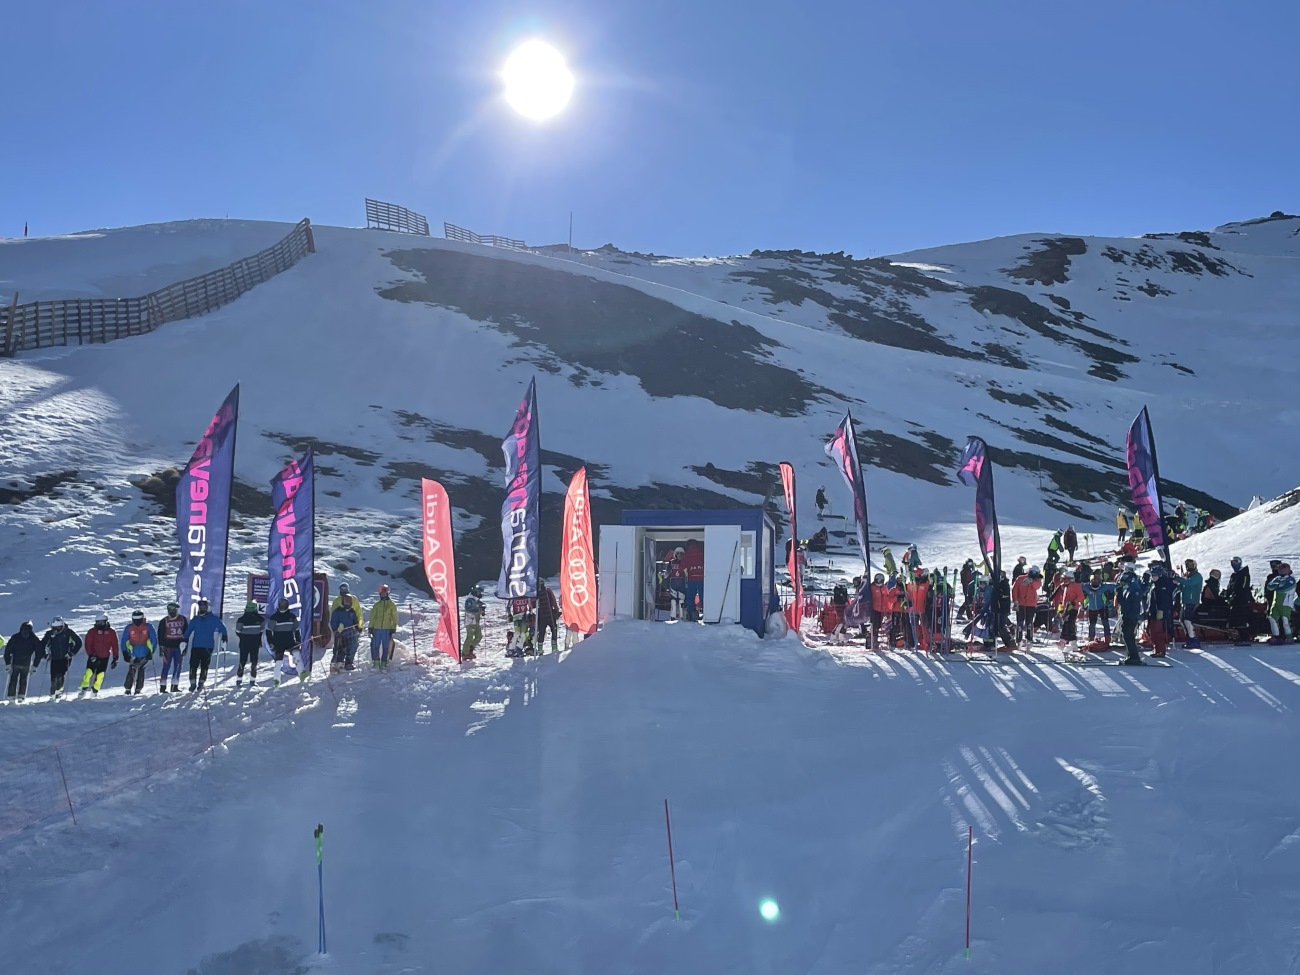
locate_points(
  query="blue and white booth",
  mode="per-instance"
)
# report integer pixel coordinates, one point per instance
(739, 562)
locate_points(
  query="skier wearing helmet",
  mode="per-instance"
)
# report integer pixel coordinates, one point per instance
(1160, 610)
(282, 634)
(61, 644)
(21, 654)
(100, 644)
(383, 627)
(171, 634)
(1281, 592)
(474, 610)
(139, 640)
(201, 638)
(250, 629)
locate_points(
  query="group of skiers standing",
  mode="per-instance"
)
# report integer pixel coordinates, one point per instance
(173, 636)
(104, 646)
(1183, 523)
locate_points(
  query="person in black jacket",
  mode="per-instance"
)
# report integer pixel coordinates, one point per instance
(548, 615)
(22, 653)
(60, 643)
(282, 635)
(999, 621)
(249, 628)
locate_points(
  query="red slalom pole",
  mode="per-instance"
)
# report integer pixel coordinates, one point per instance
(672, 866)
(970, 842)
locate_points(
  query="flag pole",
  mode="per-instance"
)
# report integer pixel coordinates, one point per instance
(970, 844)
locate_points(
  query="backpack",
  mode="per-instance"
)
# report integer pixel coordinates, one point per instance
(840, 595)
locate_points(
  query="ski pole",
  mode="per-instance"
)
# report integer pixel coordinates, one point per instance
(320, 882)
(672, 865)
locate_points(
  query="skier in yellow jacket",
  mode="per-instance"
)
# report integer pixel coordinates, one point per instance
(383, 627)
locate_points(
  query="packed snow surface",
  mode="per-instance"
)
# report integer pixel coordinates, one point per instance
(511, 818)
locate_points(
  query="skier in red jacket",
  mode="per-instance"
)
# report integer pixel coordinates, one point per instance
(100, 644)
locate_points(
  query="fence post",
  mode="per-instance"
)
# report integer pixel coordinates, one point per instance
(66, 794)
(311, 238)
(10, 350)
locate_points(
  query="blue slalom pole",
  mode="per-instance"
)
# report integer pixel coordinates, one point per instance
(320, 880)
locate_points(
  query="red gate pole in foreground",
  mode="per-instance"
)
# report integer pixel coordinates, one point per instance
(970, 842)
(672, 866)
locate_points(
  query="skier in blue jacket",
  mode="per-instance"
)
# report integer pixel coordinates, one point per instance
(201, 639)
(345, 624)
(1097, 597)
(1131, 596)
(139, 641)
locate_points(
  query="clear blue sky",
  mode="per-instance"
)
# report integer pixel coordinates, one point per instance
(698, 126)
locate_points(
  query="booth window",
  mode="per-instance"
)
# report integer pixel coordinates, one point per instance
(747, 541)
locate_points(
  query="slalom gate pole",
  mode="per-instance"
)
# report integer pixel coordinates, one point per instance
(320, 882)
(970, 843)
(415, 643)
(672, 865)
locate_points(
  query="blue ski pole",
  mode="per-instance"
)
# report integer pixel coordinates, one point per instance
(320, 880)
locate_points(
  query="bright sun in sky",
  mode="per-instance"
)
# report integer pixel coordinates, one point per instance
(538, 82)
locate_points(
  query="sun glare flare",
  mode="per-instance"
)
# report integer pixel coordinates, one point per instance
(537, 81)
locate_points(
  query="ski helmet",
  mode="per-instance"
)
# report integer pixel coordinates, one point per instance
(101, 619)
(476, 590)
(203, 603)
(880, 579)
(1035, 571)
(283, 604)
(383, 590)
(57, 623)
(173, 607)
(250, 607)
(343, 589)
(137, 616)
(1236, 562)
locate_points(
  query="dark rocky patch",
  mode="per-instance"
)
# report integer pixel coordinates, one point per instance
(594, 326)
(758, 477)
(1050, 263)
(42, 485)
(1106, 359)
(880, 316)
(1014, 399)
(1003, 355)
(1288, 500)
(245, 499)
(488, 446)
(1197, 237)
(1183, 262)
(1066, 426)
(1181, 368)
(1152, 289)
(325, 448)
(1052, 400)
(924, 454)
(1059, 302)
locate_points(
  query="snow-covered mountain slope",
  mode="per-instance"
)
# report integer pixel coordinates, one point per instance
(1127, 823)
(678, 381)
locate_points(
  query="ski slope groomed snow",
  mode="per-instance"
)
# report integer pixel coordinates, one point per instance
(509, 818)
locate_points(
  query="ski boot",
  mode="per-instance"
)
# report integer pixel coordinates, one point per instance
(176, 688)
